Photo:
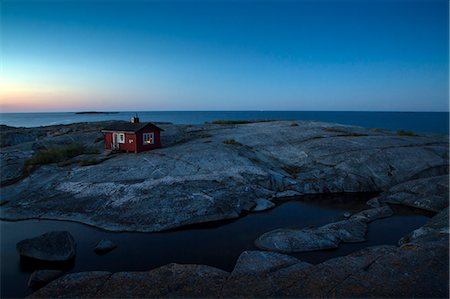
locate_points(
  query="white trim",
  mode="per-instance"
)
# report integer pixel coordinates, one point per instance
(148, 138)
(121, 138)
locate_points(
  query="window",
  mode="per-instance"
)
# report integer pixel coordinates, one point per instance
(149, 138)
(121, 138)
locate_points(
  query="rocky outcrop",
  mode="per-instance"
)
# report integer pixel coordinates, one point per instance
(382, 271)
(309, 239)
(426, 193)
(55, 246)
(196, 177)
(170, 281)
(437, 229)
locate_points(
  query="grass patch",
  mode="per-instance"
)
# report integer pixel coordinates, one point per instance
(59, 154)
(294, 125)
(406, 133)
(377, 130)
(334, 130)
(231, 141)
(344, 133)
(205, 136)
(239, 122)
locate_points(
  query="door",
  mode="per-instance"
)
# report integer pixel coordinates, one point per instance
(115, 141)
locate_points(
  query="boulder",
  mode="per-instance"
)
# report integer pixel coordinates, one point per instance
(40, 278)
(262, 205)
(310, 239)
(104, 246)
(57, 246)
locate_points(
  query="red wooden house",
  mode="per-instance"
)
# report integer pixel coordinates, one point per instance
(132, 137)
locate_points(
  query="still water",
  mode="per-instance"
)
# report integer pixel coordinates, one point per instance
(216, 244)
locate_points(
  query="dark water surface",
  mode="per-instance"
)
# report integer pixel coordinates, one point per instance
(415, 121)
(216, 244)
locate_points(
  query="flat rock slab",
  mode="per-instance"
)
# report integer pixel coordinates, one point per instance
(310, 239)
(57, 246)
(430, 193)
(436, 229)
(381, 271)
(373, 214)
(253, 267)
(170, 281)
(75, 285)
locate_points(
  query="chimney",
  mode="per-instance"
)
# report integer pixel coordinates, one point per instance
(135, 119)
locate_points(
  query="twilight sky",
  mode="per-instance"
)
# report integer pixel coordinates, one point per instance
(234, 55)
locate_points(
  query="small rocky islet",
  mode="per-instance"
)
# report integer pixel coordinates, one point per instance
(219, 171)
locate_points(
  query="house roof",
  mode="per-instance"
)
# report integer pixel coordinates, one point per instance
(130, 127)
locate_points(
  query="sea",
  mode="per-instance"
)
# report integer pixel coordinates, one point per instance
(437, 122)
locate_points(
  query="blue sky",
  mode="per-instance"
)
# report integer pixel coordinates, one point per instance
(293, 55)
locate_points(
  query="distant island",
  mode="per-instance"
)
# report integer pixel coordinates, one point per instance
(95, 112)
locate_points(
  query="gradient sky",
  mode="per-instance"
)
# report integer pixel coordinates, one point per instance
(296, 55)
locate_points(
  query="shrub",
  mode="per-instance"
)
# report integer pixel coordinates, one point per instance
(406, 133)
(294, 125)
(231, 141)
(344, 133)
(59, 154)
(230, 122)
(205, 135)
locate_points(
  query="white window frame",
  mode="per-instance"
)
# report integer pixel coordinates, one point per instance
(148, 138)
(121, 137)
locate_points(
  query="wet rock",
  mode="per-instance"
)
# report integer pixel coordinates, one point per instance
(436, 229)
(170, 281)
(310, 239)
(426, 193)
(40, 278)
(104, 246)
(373, 214)
(54, 246)
(75, 285)
(262, 205)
